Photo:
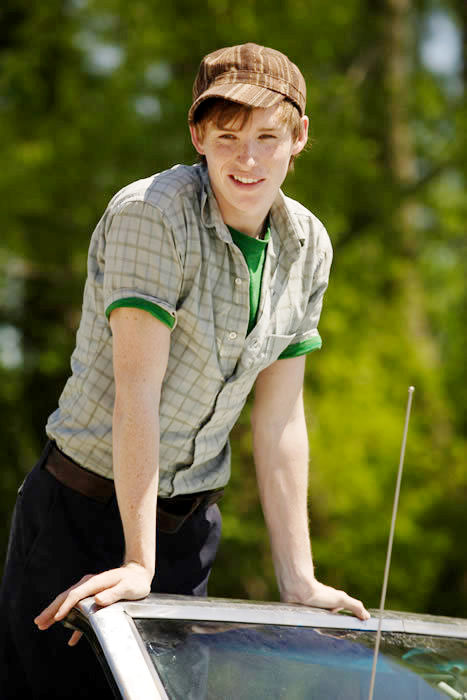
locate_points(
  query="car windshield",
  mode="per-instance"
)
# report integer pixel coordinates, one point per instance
(204, 660)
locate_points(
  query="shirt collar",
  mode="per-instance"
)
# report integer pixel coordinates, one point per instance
(210, 212)
(291, 238)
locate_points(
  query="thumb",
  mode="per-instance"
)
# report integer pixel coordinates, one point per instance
(107, 597)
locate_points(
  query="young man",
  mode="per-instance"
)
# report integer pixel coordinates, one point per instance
(202, 282)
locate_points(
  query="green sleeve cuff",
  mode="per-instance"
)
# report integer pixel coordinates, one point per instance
(137, 303)
(297, 349)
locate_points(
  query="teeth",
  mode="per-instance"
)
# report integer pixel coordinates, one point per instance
(244, 180)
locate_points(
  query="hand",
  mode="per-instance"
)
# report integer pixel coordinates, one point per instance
(131, 582)
(321, 596)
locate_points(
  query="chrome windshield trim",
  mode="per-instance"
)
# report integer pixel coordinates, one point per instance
(124, 650)
(224, 610)
(435, 629)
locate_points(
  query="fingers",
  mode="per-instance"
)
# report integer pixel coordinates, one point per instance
(63, 603)
(323, 596)
(109, 596)
(91, 586)
(47, 617)
(360, 611)
(107, 588)
(354, 606)
(133, 585)
(74, 639)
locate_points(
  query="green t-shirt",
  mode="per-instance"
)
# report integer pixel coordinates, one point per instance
(254, 252)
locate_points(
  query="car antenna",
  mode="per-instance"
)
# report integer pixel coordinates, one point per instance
(391, 537)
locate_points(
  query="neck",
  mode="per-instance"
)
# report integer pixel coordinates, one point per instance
(249, 227)
(250, 223)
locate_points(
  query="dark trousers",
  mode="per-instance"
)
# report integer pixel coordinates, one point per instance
(58, 536)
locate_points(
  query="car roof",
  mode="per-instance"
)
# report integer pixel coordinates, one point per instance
(113, 631)
(181, 607)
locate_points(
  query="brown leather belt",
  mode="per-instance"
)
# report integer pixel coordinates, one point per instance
(71, 474)
(171, 512)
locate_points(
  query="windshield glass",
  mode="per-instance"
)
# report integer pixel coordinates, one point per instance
(204, 660)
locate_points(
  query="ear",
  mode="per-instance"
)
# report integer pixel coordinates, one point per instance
(300, 143)
(196, 140)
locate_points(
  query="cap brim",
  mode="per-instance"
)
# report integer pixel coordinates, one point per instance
(243, 93)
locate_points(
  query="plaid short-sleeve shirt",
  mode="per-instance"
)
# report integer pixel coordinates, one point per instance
(162, 245)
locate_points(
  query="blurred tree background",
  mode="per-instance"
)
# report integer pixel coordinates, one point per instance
(94, 94)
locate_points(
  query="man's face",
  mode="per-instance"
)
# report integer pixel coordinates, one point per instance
(248, 165)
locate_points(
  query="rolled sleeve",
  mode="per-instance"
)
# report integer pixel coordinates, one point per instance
(142, 267)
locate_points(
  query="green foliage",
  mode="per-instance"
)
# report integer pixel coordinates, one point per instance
(94, 95)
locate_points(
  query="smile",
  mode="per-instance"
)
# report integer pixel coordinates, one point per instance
(246, 180)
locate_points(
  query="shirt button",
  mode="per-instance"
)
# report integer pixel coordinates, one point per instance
(232, 335)
(238, 281)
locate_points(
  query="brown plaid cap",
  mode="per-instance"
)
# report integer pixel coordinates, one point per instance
(250, 74)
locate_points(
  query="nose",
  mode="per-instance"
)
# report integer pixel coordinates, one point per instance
(247, 153)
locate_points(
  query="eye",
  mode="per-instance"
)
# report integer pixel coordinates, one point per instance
(227, 137)
(264, 137)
